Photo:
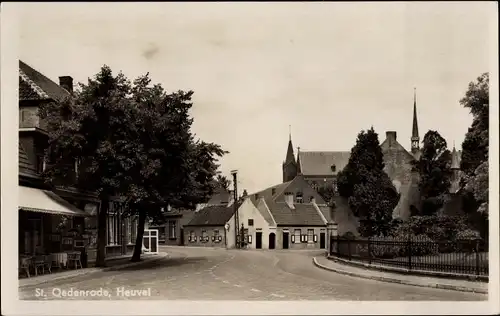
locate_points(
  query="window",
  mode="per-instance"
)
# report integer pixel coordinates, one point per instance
(172, 225)
(334, 168)
(296, 236)
(310, 235)
(314, 185)
(40, 163)
(250, 222)
(204, 236)
(132, 229)
(298, 197)
(192, 237)
(216, 237)
(77, 164)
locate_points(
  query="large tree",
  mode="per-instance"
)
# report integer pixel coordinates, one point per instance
(371, 195)
(475, 145)
(474, 163)
(176, 169)
(93, 130)
(435, 173)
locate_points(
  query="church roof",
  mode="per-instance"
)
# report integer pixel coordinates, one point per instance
(319, 163)
(35, 86)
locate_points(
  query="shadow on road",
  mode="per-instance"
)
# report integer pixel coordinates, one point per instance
(161, 263)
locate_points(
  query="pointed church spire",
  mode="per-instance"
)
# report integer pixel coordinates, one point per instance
(415, 139)
(455, 163)
(290, 157)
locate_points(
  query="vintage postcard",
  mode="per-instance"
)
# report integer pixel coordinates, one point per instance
(249, 158)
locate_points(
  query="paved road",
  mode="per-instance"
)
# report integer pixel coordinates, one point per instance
(206, 274)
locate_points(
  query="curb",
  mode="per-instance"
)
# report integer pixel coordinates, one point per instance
(95, 270)
(399, 281)
(432, 274)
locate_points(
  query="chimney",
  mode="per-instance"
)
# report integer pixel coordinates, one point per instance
(67, 83)
(257, 196)
(230, 198)
(289, 200)
(313, 200)
(391, 137)
(273, 191)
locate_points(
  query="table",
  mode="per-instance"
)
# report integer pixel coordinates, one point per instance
(60, 258)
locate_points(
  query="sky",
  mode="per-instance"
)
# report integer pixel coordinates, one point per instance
(328, 70)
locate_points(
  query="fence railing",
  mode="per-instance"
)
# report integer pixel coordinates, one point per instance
(467, 257)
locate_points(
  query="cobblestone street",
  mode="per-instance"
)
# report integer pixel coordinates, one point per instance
(210, 274)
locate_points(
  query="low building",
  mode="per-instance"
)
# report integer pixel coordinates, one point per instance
(212, 226)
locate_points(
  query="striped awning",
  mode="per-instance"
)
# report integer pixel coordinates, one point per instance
(36, 200)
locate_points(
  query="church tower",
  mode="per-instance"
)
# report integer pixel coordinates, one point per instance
(289, 165)
(455, 164)
(415, 139)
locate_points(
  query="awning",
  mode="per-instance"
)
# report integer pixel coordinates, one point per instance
(37, 200)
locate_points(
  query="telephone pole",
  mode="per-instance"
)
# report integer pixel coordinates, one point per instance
(235, 205)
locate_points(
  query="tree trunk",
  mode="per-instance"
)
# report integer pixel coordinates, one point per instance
(101, 233)
(140, 233)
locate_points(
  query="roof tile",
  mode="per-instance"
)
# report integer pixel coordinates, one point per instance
(35, 86)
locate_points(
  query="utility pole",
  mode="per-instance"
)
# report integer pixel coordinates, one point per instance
(235, 205)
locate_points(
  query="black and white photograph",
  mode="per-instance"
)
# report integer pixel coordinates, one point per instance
(250, 158)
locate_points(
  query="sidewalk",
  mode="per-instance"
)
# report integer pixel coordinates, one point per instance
(111, 264)
(423, 281)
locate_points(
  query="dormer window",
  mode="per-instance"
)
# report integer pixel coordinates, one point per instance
(298, 197)
(333, 168)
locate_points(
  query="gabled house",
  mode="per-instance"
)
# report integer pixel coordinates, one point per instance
(36, 89)
(293, 212)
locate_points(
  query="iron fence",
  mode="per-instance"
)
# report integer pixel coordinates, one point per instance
(467, 257)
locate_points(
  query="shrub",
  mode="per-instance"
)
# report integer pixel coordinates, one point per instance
(468, 234)
(385, 247)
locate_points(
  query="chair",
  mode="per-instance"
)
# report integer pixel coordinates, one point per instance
(25, 264)
(39, 263)
(47, 263)
(75, 258)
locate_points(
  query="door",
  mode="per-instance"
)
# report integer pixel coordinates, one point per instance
(182, 237)
(258, 240)
(285, 240)
(322, 240)
(150, 240)
(272, 240)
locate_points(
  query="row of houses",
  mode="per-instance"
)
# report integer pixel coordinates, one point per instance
(290, 215)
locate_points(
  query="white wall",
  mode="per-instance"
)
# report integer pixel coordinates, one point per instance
(230, 234)
(248, 211)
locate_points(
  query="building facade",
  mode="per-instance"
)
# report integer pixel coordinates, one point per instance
(36, 89)
(291, 215)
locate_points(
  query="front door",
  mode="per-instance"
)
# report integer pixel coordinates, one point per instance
(285, 240)
(322, 240)
(182, 237)
(272, 240)
(258, 240)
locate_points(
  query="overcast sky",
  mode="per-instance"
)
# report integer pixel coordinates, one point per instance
(327, 69)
